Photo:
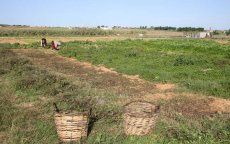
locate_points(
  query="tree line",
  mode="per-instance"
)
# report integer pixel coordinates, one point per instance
(169, 28)
(190, 29)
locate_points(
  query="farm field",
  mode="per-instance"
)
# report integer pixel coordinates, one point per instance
(33, 31)
(199, 65)
(127, 72)
(188, 78)
(27, 35)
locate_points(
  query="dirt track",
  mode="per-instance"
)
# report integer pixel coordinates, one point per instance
(98, 76)
(12, 40)
(131, 87)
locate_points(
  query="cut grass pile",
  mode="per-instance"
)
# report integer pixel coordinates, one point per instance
(200, 65)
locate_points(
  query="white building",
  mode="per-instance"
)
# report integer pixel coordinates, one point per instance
(106, 28)
(204, 34)
(198, 35)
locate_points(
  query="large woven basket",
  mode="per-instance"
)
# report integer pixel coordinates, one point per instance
(71, 126)
(139, 118)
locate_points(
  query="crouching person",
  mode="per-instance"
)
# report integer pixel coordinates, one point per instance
(55, 45)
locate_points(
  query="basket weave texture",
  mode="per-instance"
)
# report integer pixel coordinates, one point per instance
(139, 118)
(71, 126)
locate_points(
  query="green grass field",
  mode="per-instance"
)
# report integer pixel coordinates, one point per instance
(199, 65)
(27, 92)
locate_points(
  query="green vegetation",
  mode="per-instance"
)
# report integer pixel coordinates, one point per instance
(24, 31)
(200, 65)
(4, 25)
(42, 32)
(27, 93)
(165, 28)
(228, 32)
(189, 29)
(216, 32)
(169, 28)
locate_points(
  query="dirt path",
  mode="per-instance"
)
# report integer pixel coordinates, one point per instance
(131, 87)
(98, 76)
(12, 40)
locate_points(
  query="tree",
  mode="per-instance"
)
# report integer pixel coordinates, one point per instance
(215, 32)
(167, 28)
(227, 32)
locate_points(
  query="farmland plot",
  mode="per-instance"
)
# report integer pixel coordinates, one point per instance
(173, 73)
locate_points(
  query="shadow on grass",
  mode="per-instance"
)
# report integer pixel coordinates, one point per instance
(92, 120)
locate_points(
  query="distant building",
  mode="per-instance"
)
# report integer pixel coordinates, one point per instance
(106, 28)
(141, 35)
(197, 34)
(69, 27)
(204, 35)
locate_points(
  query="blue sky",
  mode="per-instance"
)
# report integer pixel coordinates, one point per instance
(179, 13)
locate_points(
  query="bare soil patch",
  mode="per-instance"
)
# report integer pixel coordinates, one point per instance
(98, 76)
(164, 87)
(198, 105)
(11, 40)
(2, 137)
(220, 105)
(222, 41)
(190, 107)
(158, 33)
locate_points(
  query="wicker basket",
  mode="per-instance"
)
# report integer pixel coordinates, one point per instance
(139, 118)
(71, 126)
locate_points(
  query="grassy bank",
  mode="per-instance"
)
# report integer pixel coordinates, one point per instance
(200, 65)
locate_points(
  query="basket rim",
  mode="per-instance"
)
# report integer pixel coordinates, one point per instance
(71, 113)
(153, 113)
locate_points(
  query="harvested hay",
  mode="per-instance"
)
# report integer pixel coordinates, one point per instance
(140, 118)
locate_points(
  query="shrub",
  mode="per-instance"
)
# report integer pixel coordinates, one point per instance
(227, 32)
(181, 60)
(215, 32)
(131, 54)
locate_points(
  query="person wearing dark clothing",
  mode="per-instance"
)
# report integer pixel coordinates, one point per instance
(43, 42)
